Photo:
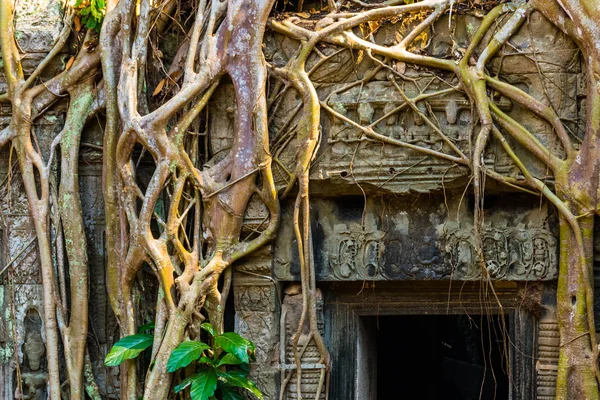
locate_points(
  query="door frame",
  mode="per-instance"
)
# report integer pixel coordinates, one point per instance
(345, 303)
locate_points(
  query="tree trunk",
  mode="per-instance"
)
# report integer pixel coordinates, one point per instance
(577, 370)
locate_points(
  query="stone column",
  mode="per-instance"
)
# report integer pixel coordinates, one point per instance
(257, 311)
(548, 349)
(307, 349)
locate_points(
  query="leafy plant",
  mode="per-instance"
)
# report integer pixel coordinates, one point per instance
(91, 13)
(127, 348)
(219, 369)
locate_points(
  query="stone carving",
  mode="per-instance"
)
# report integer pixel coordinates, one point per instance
(509, 253)
(33, 377)
(394, 240)
(355, 253)
(349, 157)
(378, 105)
(255, 298)
(256, 217)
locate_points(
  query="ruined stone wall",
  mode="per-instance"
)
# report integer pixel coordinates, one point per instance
(381, 214)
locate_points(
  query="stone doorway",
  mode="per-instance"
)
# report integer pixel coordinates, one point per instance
(427, 317)
(431, 357)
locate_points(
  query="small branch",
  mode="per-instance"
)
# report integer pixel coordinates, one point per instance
(16, 256)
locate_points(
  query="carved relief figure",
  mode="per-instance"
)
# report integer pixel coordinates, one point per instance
(393, 130)
(33, 378)
(509, 253)
(355, 253)
(456, 133)
(419, 134)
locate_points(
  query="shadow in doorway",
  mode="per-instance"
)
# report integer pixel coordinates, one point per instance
(433, 357)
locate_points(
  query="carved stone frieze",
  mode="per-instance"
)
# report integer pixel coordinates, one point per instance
(355, 253)
(393, 240)
(375, 99)
(509, 253)
(353, 157)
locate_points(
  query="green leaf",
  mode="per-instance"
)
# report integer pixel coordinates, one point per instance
(184, 383)
(127, 348)
(204, 385)
(146, 327)
(91, 23)
(237, 379)
(229, 359)
(245, 368)
(206, 360)
(208, 328)
(230, 393)
(233, 343)
(97, 14)
(184, 354)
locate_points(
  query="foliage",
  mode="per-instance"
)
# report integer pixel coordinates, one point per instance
(127, 348)
(91, 13)
(218, 369)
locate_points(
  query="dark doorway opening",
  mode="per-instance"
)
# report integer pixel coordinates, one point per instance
(451, 357)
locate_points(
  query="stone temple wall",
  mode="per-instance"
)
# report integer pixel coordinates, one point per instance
(384, 218)
(392, 228)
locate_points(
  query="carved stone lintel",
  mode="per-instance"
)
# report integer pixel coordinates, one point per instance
(399, 241)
